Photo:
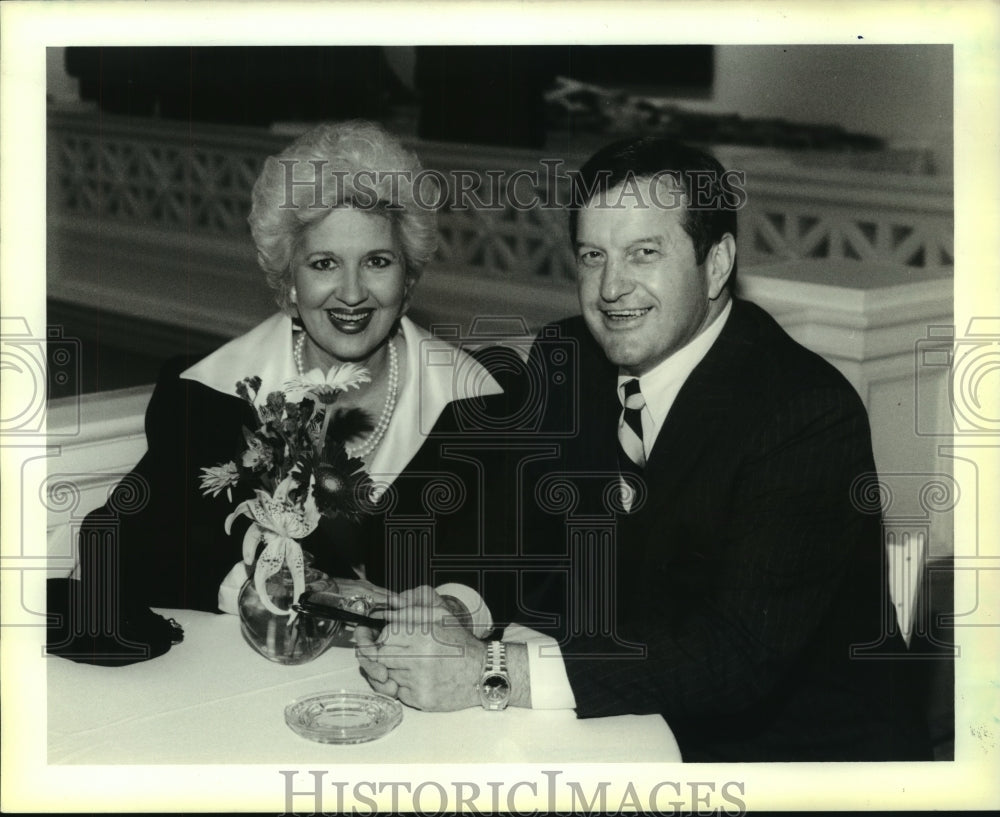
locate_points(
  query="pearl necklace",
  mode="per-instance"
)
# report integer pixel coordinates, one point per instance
(373, 440)
(300, 345)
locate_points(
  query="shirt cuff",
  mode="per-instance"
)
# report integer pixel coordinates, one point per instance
(229, 590)
(550, 688)
(482, 619)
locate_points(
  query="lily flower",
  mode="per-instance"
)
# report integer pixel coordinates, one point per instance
(279, 522)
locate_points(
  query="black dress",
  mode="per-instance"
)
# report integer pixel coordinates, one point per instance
(159, 541)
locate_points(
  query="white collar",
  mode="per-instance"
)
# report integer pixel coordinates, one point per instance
(264, 351)
(661, 384)
(437, 373)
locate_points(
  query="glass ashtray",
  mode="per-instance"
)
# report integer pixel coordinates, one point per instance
(343, 717)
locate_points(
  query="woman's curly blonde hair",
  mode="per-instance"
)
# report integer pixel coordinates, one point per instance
(354, 163)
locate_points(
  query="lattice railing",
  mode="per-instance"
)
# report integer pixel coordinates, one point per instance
(534, 243)
(171, 177)
(155, 174)
(788, 230)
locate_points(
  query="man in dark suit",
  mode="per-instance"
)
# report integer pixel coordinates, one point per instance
(734, 581)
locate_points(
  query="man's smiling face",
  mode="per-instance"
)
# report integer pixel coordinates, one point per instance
(642, 292)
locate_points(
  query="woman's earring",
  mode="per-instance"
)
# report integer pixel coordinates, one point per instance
(405, 306)
(293, 299)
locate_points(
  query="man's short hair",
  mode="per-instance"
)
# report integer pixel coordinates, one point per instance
(711, 196)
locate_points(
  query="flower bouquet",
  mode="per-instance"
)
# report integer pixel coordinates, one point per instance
(297, 461)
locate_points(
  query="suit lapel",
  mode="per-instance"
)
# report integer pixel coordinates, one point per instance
(702, 410)
(598, 408)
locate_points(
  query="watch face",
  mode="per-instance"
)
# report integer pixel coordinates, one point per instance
(495, 688)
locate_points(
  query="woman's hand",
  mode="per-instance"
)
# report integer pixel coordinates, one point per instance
(361, 588)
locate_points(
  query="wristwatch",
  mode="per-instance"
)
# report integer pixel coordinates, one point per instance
(494, 685)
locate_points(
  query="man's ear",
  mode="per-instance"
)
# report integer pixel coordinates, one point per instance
(719, 265)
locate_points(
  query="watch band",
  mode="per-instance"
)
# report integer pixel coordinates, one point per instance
(494, 685)
(496, 657)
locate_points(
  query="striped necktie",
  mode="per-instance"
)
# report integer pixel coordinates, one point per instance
(630, 424)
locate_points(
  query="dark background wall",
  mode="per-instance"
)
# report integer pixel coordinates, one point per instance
(484, 94)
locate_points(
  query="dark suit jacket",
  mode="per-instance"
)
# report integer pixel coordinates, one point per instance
(731, 598)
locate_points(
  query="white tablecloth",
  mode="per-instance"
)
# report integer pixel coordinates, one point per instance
(212, 699)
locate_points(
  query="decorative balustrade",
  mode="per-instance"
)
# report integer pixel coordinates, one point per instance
(910, 223)
(170, 178)
(154, 173)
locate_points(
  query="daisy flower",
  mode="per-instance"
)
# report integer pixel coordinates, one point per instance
(337, 491)
(325, 387)
(220, 478)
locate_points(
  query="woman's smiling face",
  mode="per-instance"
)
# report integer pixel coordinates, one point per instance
(350, 282)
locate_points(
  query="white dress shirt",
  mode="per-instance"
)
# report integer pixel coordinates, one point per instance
(424, 392)
(550, 687)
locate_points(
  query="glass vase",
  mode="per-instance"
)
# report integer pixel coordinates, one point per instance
(286, 639)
